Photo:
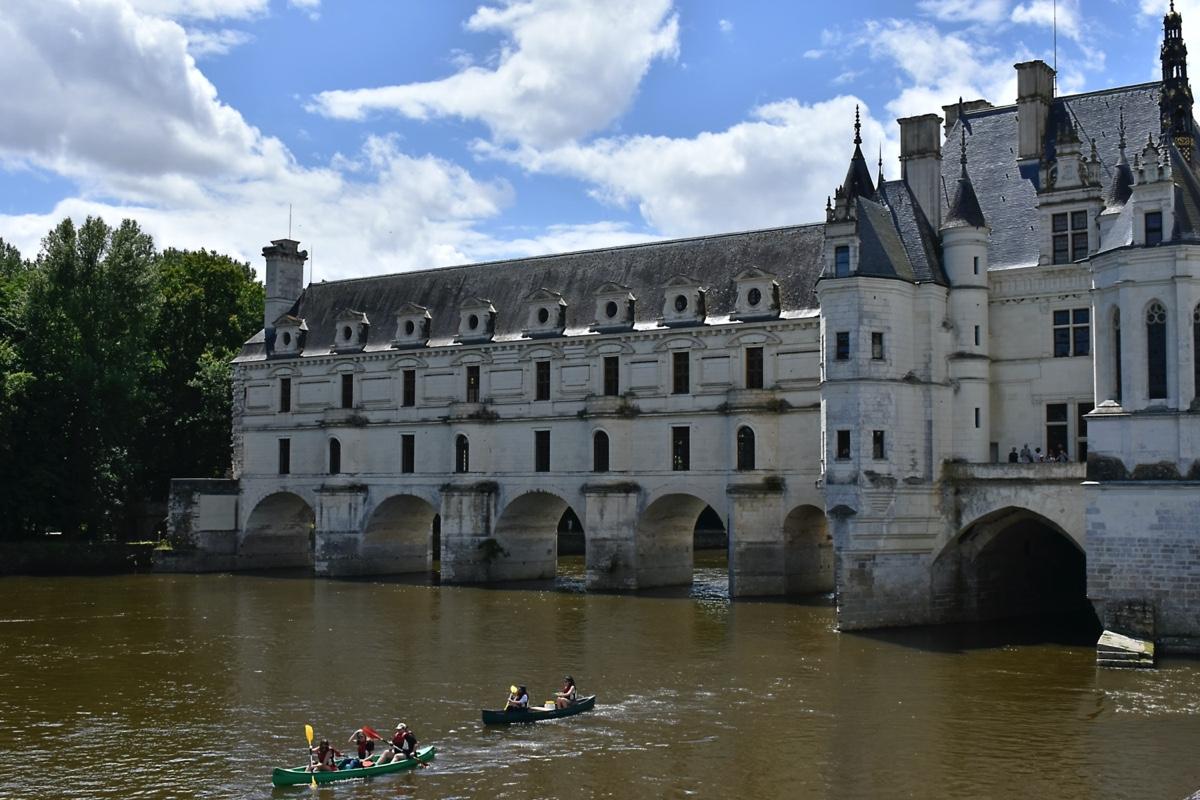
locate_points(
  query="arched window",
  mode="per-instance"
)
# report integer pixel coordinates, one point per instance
(335, 456)
(1156, 351)
(600, 452)
(745, 448)
(462, 454)
(1196, 354)
(1116, 324)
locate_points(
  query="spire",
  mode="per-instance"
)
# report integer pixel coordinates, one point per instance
(858, 181)
(879, 184)
(964, 206)
(1175, 101)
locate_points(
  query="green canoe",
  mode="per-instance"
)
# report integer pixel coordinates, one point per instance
(299, 775)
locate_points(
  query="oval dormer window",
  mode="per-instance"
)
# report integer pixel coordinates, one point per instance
(543, 315)
(611, 309)
(410, 328)
(680, 303)
(347, 333)
(753, 297)
(287, 339)
(473, 322)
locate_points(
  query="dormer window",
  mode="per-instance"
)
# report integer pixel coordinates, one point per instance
(757, 295)
(841, 261)
(351, 331)
(1069, 232)
(547, 314)
(683, 302)
(477, 321)
(412, 326)
(1154, 227)
(614, 308)
(290, 334)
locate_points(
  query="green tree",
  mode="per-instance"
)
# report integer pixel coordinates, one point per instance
(14, 381)
(90, 297)
(209, 306)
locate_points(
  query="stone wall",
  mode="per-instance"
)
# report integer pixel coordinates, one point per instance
(1143, 543)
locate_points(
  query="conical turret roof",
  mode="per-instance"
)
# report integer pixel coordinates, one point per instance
(964, 205)
(859, 182)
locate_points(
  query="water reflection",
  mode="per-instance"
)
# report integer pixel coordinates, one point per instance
(195, 686)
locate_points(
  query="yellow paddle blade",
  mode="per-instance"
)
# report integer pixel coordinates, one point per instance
(512, 689)
(308, 732)
(314, 781)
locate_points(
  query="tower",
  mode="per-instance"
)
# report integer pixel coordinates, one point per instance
(1175, 102)
(284, 279)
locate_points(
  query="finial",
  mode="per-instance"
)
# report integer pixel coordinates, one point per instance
(881, 164)
(857, 126)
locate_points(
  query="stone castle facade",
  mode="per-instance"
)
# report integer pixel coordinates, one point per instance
(845, 394)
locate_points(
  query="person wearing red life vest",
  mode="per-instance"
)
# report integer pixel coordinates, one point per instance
(403, 745)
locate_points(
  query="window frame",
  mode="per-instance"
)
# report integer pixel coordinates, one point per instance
(462, 454)
(844, 445)
(841, 261)
(1157, 237)
(408, 453)
(745, 447)
(541, 450)
(601, 455)
(1057, 429)
(1071, 332)
(408, 391)
(879, 445)
(681, 372)
(612, 376)
(285, 456)
(841, 346)
(334, 449)
(285, 395)
(347, 390)
(755, 372)
(681, 448)
(1157, 379)
(473, 379)
(877, 349)
(541, 380)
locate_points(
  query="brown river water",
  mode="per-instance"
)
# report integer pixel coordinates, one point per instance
(148, 686)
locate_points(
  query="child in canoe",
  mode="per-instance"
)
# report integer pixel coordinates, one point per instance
(324, 758)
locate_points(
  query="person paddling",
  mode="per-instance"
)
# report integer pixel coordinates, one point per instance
(518, 699)
(364, 743)
(324, 758)
(404, 745)
(567, 695)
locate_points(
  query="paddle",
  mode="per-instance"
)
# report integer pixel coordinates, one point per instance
(369, 731)
(308, 732)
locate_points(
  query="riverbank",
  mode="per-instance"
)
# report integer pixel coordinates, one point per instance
(68, 557)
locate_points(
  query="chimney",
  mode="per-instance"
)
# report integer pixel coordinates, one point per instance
(951, 111)
(285, 278)
(921, 163)
(1035, 90)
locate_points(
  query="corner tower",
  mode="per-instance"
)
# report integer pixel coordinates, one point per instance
(1175, 102)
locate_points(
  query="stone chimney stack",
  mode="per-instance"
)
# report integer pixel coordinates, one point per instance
(285, 278)
(921, 163)
(1035, 90)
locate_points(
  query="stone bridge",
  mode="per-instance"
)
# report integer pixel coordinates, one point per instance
(637, 535)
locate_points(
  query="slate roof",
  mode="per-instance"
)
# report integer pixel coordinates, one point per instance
(964, 205)
(895, 238)
(1007, 195)
(792, 254)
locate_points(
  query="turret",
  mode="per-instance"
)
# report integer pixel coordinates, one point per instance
(285, 278)
(964, 255)
(1175, 102)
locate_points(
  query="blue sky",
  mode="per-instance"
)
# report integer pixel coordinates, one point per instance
(413, 134)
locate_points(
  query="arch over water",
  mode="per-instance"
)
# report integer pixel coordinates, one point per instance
(808, 551)
(398, 536)
(527, 533)
(278, 533)
(1012, 563)
(664, 537)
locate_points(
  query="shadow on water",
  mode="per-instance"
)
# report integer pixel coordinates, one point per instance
(1071, 628)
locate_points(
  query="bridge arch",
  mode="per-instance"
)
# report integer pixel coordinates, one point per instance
(278, 533)
(664, 539)
(398, 535)
(526, 532)
(807, 551)
(1012, 563)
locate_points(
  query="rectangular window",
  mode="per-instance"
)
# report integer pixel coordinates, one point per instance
(612, 376)
(473, 384)
(841, 261)
(1056, 430)
(977, 336)
(410, 388)
(878, 445)
(347, 390)
(285, 394)
(754, 368)
(975, 265)
(976, 416)
(681, 379)
(843, 445)
(1081, 412)
(1072, 332)
(681, 449)
(408, 453)
(541, 451)
(542, 390)
(285, 456)
(1069, 235)
(841, 350)
(877, 346)
(1154, 232)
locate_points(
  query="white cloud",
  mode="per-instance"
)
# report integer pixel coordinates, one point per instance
(203, 43)
(986, 11)
(1048, 13)
(202, 9)
(566, 68)
(725, 26)
(774, 169)
(310, 7)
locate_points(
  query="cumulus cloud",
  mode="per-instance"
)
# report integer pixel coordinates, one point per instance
(203, 43)
(202, 9)
(1048, 13)
(987, 11)
(775, 169)
(725, 26)
(566, 68)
